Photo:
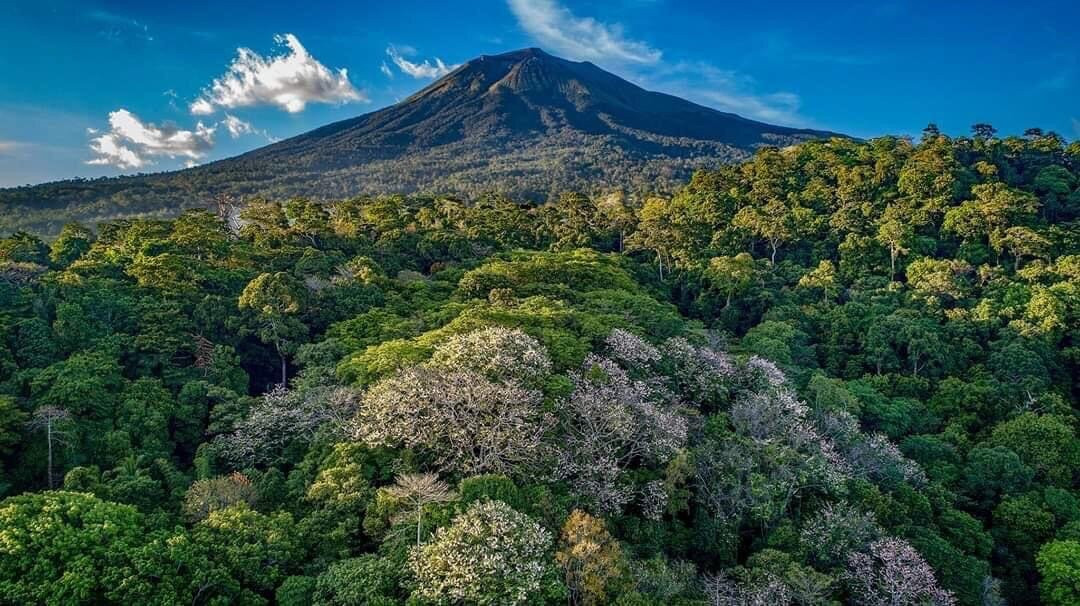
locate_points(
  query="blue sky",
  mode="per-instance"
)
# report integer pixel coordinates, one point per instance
(106, 88)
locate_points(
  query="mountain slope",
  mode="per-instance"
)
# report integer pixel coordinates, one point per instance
(524, 123)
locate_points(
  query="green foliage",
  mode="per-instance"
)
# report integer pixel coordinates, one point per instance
(1059, 565)
(765, 374)
(66, 547)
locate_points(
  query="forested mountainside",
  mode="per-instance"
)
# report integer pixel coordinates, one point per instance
(839, 373)
(524, 124)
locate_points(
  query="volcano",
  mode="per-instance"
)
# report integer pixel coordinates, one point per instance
(523, 123)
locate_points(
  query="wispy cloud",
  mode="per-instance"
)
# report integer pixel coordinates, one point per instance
(238, 128)
(131, 143)
(385, 69)
(555, 27)
(582, 38)
(726, 90)
(416, 70)
(119, 26)
(289, 81)
(8, 147)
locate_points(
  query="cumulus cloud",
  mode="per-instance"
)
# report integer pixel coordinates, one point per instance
(131, 143)
(416, 70)
(583, 38)
(289, 81)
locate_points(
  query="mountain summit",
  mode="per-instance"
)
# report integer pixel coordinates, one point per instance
(531, 93)
(525, 123)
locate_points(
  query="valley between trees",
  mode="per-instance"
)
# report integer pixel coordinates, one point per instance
(838, 373)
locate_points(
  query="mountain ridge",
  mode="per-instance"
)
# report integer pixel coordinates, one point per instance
(524, 123)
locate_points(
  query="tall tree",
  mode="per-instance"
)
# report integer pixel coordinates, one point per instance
(275, 300)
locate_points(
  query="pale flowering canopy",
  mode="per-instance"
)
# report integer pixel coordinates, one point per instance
(468, 423)
(499, 353)
(892, 573)
(491, 554)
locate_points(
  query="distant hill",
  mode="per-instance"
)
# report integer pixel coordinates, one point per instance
(524, 123)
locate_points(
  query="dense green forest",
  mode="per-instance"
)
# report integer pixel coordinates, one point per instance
(839, 373)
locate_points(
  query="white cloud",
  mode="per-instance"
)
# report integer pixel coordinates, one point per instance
(417, 70)
(236, 126)
(7, 147)
(131, 143)
(385, 69)
(582, 38)
(289, 81)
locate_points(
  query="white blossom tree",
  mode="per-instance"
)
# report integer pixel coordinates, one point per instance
(774, 454)
(700, 375)
(466, 422)
(499, 353)
(609, 422)
(722, 590)
(629, 349)
(490, 554)
(281, 417)
(868, 456)
(837, 530)
(892, 573)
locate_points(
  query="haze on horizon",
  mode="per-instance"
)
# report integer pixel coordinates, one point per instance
(110, 88)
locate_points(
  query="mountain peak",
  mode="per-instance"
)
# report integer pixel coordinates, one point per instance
(524, 122)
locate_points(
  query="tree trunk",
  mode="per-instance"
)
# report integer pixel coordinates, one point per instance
(419, 513)
(48, 437)
(772, 259)
(283, 375)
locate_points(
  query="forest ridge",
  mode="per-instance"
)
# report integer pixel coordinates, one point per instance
(837, 372)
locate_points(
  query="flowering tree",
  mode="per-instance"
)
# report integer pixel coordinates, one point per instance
(280, 418)
(774, 453)
(630, 349)
(721, 590)
(700, 375)
(893, 573)
(499, 353)
(869, 456)
(837, 530)
(608, 422)
(468, 423)
(490, 555)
